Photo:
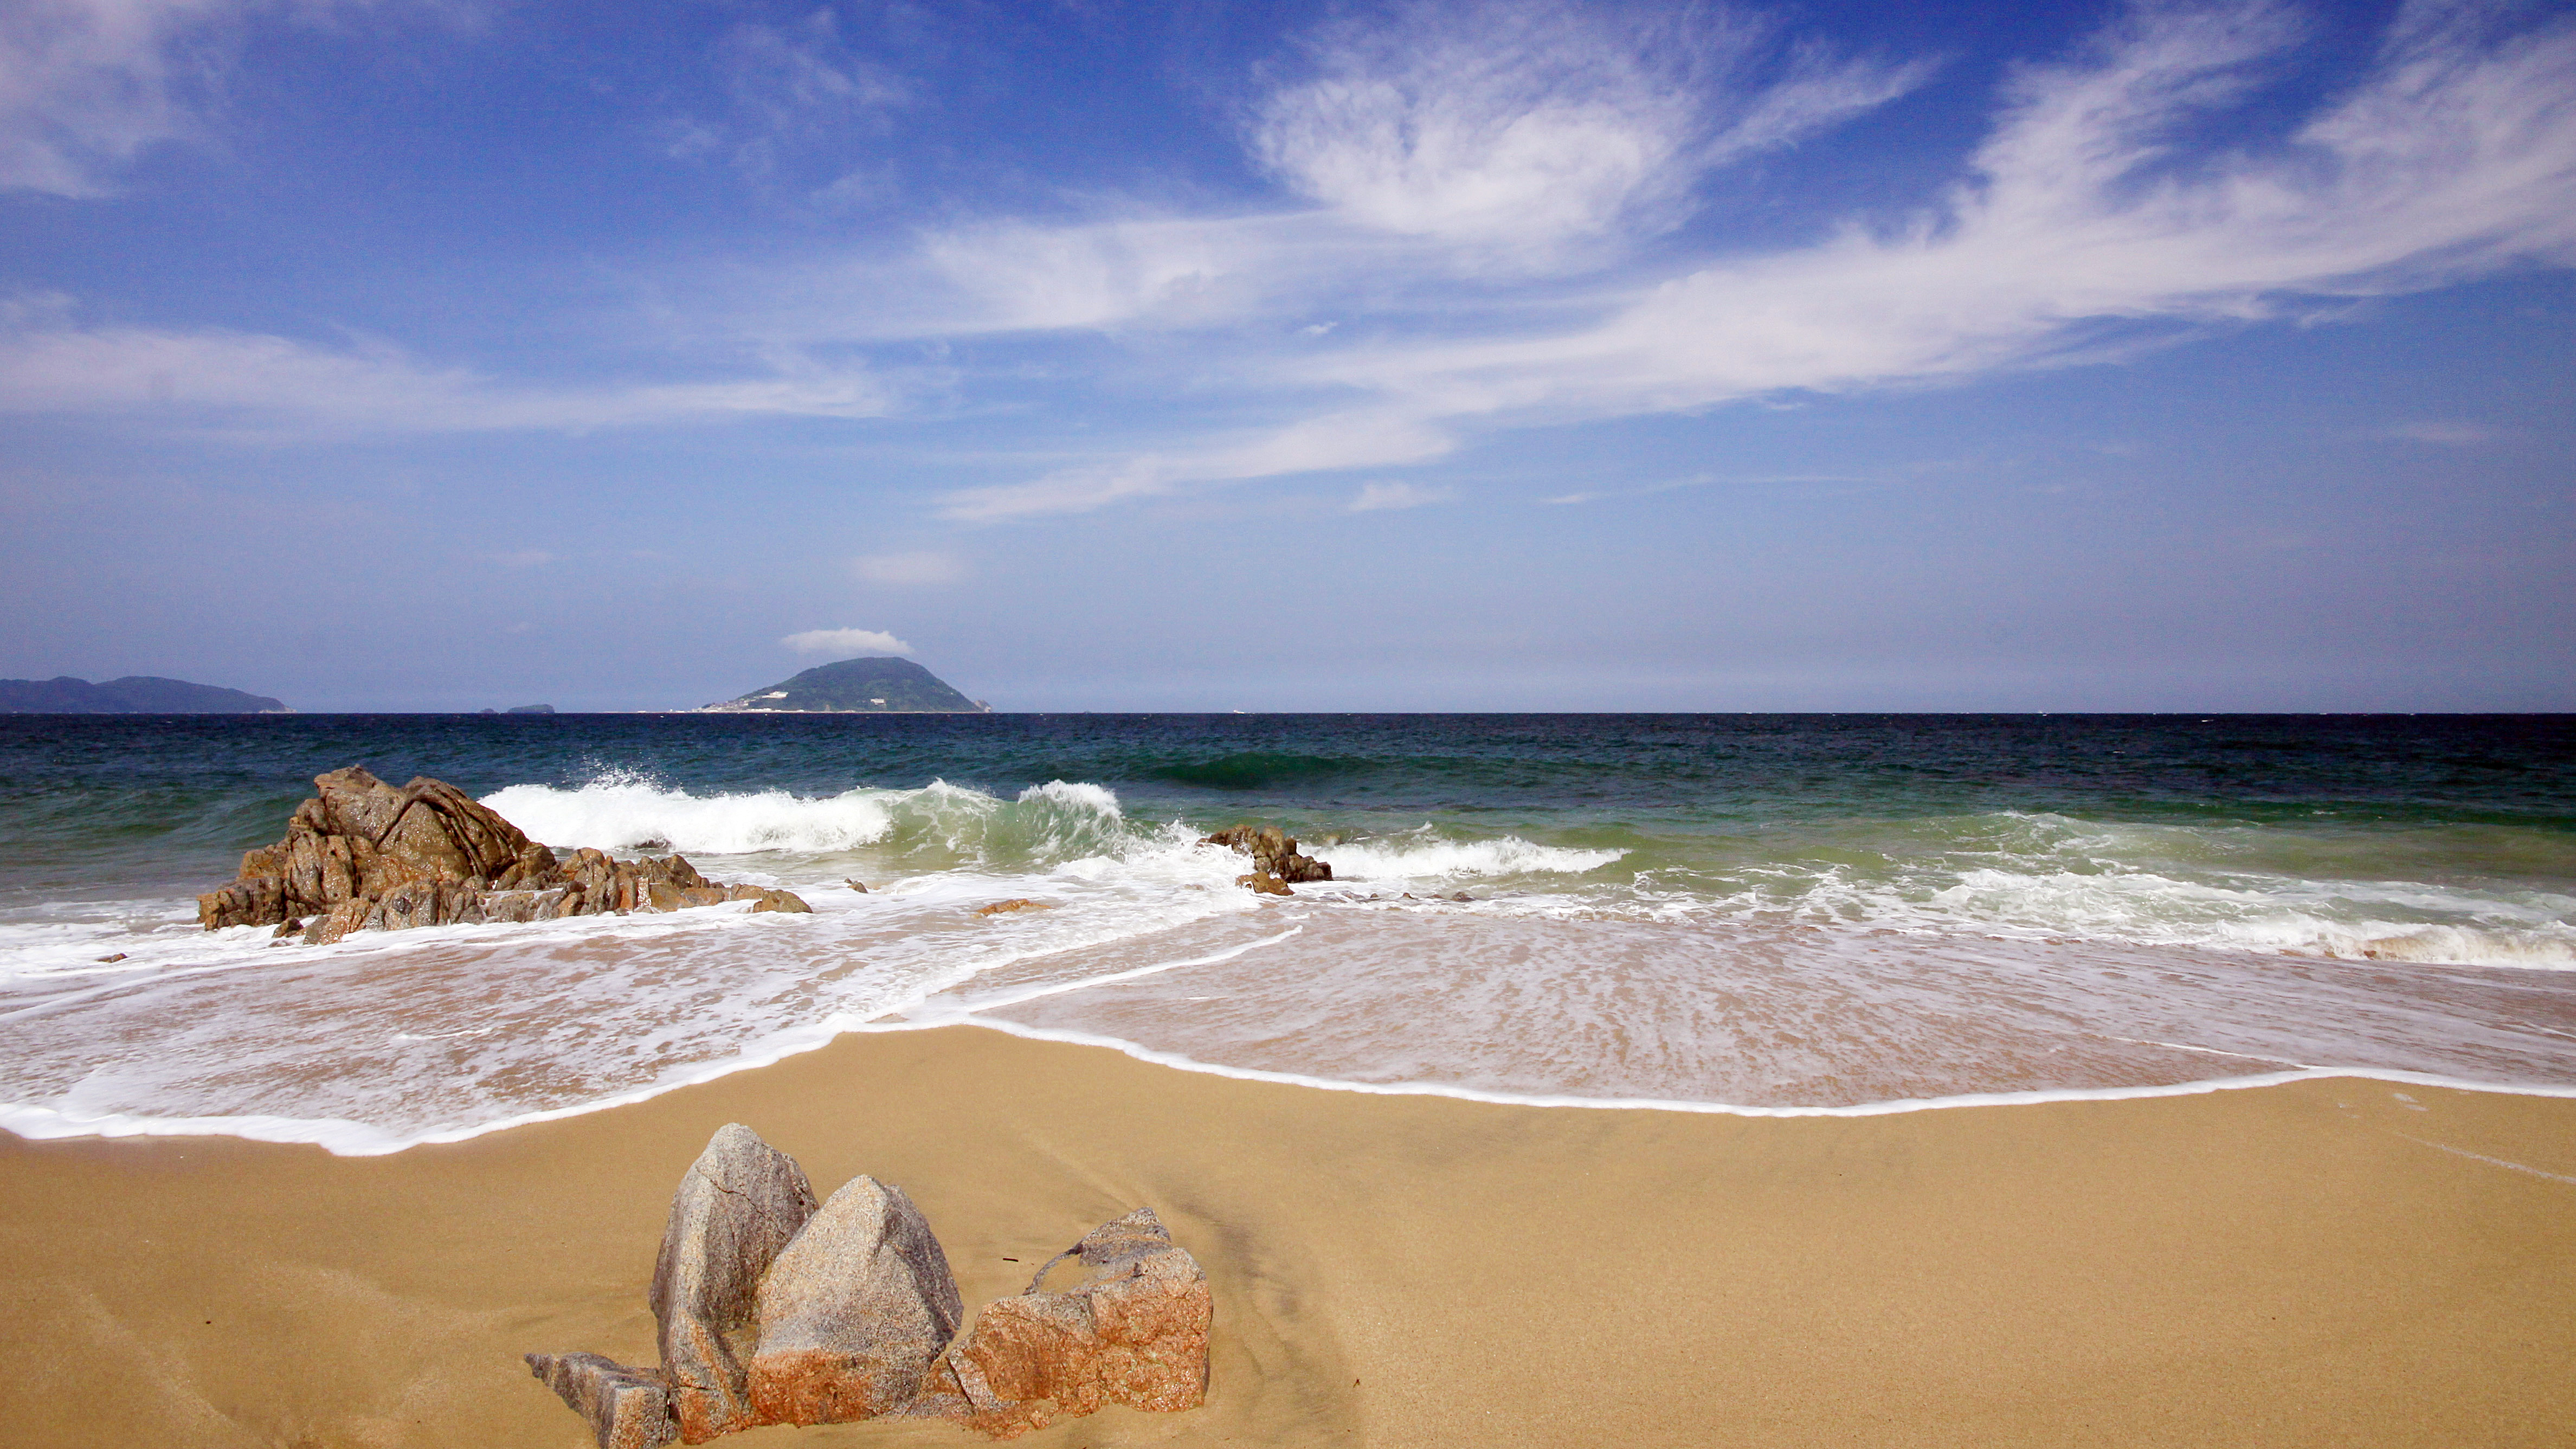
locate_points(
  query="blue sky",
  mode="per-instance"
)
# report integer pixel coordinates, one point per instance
(435, 354)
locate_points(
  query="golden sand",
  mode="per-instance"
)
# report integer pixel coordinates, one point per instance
(2319, 1263)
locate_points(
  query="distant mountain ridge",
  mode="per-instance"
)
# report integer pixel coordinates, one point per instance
(857, 686)
(134, 694)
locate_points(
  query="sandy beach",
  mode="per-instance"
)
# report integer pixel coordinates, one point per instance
(2325, 1262)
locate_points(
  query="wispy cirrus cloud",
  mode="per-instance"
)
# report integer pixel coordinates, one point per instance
(2448, 435)
(909, 570)
(2081, 227)
(1519, 130)
(1381, 497)
(86, 85)
(51, 363)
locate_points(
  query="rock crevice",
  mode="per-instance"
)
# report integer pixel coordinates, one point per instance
(772, 1310)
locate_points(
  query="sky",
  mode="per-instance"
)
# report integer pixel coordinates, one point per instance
(453, 354)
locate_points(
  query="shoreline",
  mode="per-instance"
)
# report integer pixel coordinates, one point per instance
(339, 1136)
(2321, 1261)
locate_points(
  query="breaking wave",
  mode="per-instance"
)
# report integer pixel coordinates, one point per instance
(619, 811)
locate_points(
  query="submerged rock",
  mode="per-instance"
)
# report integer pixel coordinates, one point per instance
(1273, 854)
(740, 1203)
(364, 855)
(1134, 1332)
(853, 1311)
(627, 1408)
(1004, 908)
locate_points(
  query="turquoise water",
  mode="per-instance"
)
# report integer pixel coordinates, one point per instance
(1757, 911)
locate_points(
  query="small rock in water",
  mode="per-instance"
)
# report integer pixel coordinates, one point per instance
(857, 885)
(1001, 908)
(1462, 896)
(109, 960)
(1263, 883)
(290, 927)
(1272, 852)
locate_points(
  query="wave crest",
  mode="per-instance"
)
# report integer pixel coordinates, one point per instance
(1425, 853)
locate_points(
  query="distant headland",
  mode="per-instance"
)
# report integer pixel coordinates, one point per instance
(856, 686)
(134, 694)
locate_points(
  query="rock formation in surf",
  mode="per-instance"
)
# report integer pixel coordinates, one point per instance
(364, 855)
(774, 1311)
(1276, 865)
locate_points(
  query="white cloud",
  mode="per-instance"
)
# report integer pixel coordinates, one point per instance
(908, 569)
(1375, 497)
(2453, 157)
(846, 641)
(795, 74)
(244, 380)
(1317, 445)
(86, 85)
(2449, 435)
(1521, 128)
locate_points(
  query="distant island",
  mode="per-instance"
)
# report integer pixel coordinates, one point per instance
(857, 686)
(134, 694)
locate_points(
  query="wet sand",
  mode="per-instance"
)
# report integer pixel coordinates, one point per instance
(2317, 1263)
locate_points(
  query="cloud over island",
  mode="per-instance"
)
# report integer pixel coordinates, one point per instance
(846, 641)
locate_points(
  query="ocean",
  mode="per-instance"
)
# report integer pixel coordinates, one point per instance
(1755, 913)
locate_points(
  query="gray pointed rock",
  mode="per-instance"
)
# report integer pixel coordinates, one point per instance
(853, 1311)
(741, 1202)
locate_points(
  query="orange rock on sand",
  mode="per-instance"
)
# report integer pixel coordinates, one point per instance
(1134, 1332)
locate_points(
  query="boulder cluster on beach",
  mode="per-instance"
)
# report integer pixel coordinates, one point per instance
(1276, 865)
(365, 855)
(773, 1310)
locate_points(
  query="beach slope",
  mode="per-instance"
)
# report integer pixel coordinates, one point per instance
(2327, 1262)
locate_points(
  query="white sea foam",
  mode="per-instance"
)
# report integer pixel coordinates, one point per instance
(624, 812)
(1183, 1062)
(1581, 976)
(1426, 854)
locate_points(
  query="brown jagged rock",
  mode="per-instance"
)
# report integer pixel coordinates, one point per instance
(1004, 908)
(853, 1311)
(740, 1203)
(1263, 883)
(363, 855)
(1134, 1332)
(1273, 853)
(627, 1408)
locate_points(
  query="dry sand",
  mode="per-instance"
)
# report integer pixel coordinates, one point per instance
(2279, 1266)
